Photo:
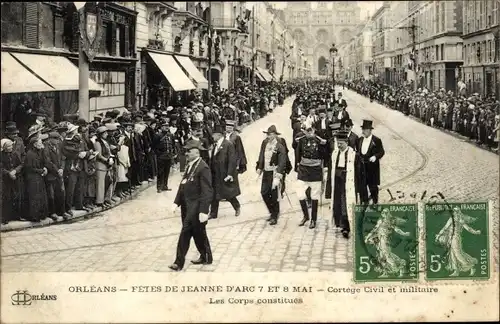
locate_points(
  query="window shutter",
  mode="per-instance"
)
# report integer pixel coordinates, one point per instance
(126, 43)
(58, 31)
(112, 51)
(31, 28)
(75, 28)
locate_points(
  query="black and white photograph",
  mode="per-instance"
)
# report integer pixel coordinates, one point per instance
(252, 137)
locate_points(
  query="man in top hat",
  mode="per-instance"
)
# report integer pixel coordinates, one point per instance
(341, 101)
(271, 165)
(223, 164)
(322, 125)
(370, 150)
(233, 136)
(310, 165)
(194, 197)
(342, 181)
(166, 151)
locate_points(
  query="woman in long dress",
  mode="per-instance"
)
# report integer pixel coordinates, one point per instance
(450, 237)
(379, 237)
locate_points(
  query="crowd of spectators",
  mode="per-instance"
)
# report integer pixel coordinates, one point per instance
(74, 164)
(475, 117)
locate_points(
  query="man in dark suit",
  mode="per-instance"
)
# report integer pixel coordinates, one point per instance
(272, 167)
(223, 165)
(193, 197)
(322, 125)
(341, 101)
(352, 138)
(370, 150)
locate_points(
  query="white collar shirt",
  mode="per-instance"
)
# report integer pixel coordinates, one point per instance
(366, 144)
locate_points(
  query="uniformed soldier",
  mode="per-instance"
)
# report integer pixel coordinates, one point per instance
(310, 166)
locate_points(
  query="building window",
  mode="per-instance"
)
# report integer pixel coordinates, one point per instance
(490, 52)
(442, 52)
(112, 83)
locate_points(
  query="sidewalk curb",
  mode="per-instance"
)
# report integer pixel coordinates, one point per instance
(78, 214)
(81, 214)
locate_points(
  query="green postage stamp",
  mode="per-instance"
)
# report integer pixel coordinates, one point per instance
(457, 241)
(386, 243)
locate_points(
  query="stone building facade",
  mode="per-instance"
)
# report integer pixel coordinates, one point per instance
(481, 49)
(316, 25)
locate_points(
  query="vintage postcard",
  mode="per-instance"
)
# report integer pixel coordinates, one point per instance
(235, 162)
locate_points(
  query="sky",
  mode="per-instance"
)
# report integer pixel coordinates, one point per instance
(367, 7)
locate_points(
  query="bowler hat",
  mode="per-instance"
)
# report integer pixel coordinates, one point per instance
(194, 145)
(272, 130)
(367, 124)
(11, 128)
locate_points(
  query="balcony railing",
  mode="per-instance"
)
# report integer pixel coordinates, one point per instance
(224, 23)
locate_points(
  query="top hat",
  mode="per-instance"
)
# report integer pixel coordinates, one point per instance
(342, 135)
(194, 145)
(218, 129)
(272, 130)
(367, 124)
(335, 126)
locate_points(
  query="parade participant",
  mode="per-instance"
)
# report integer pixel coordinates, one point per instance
(370, 151)
(341, 101)
(166, 152)
(321, 126)
(343, 177)
(331, 146)
(310, 165)
(193, 197)
(312, 118)
(352, 138)
(235, 139)
(198, 134)
(224, 173)
(271, 165)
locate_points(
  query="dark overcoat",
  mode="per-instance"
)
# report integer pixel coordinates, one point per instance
(36, 194)
(223, 164)
(370, 171)
(196, 192)
(241, 157)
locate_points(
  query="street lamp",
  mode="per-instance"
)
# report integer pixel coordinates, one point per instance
(333, 52)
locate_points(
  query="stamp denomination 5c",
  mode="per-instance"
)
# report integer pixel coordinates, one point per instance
(457, 242)
(386, 243)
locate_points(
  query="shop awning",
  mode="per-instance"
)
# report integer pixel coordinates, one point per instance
(265, 74)
(192, 71)
(259, 76)
(57, 71)
(172, 71)
(16, 78)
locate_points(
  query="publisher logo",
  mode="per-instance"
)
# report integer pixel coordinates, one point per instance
(21, 298)
(24, 298)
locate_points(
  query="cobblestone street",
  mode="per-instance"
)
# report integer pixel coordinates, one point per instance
(141, 235)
